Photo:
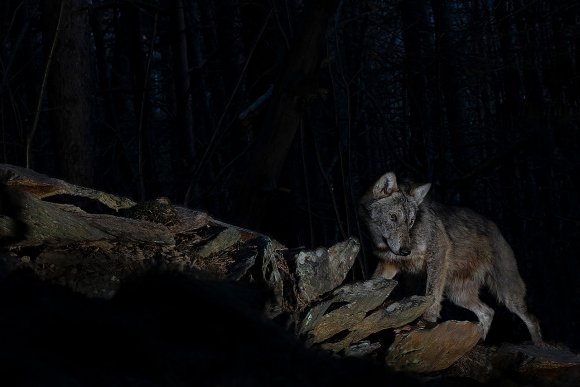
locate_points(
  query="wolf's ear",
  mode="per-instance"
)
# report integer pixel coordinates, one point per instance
(419, 193)
(386, 185)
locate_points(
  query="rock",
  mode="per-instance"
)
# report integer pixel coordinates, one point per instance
(321, 270)
(433, 349)
(345, 307)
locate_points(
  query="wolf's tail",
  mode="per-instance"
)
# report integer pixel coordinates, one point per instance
(504, 278)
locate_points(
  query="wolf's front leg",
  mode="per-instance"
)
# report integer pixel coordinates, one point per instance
(385, 269)
(436, 273)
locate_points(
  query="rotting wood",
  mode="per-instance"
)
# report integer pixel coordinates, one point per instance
(42, 186)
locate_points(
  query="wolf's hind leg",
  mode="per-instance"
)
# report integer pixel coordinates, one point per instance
(507, 284)
(518, 306)
(466, 295)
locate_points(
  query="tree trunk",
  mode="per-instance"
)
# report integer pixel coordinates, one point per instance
(465, 151)
(183, 85)
(104, 79)
(69, 86)
(418, 53)
(298, 80)
(510, 109)
(138, 60)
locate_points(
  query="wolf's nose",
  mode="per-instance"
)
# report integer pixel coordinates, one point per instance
(405, 251)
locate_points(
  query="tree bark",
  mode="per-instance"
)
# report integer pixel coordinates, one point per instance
(104, 79)
(464, 149)
(183, 85)
(418, 53)
(298, 80)
(69, 86)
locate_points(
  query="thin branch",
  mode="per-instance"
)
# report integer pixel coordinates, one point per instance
(342, 141)
(282, 32)
(14, 49)
(330, 190)
(211, 143)
(257, 103)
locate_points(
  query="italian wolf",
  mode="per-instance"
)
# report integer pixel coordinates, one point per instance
(459, 249)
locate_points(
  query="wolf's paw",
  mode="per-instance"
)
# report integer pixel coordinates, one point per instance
(432, 314)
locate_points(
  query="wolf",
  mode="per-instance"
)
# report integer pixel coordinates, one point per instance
(459, 249)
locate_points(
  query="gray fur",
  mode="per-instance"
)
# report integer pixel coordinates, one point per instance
(459, 249)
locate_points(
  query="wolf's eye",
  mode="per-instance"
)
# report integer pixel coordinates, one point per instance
(393, 217)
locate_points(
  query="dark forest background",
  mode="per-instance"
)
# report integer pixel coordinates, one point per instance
(278, 114)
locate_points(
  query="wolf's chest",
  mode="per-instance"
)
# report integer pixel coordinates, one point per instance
(414, 263)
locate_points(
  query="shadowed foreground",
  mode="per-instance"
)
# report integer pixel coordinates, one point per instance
(162, 329)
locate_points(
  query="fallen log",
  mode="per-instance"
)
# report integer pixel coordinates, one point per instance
(92, 242)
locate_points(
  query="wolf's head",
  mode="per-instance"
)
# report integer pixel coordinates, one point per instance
(390, 211)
